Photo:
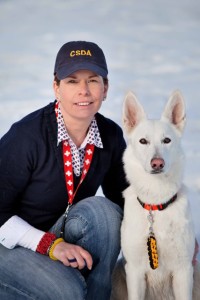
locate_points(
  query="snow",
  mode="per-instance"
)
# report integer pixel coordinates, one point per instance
(152, 48)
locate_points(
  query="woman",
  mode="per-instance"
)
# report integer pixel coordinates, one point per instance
(59, 240)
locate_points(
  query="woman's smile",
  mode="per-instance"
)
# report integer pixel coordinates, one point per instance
(83, 103)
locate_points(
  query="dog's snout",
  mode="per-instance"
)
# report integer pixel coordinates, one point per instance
(157, 164)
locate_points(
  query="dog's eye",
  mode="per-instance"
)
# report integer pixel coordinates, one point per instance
(143, 141)
(166, 140)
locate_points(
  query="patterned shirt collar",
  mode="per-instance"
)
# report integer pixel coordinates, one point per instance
(93, 136)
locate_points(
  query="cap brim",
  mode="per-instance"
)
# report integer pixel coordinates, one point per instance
(67, 70)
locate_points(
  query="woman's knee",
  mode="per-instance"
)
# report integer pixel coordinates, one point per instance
(94, 221)
(98, 208)
(93, 212)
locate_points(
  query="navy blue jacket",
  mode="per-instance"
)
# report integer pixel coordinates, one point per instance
(32, 183)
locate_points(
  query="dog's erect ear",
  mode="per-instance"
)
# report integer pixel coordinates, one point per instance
(133, 112)
(175, 110)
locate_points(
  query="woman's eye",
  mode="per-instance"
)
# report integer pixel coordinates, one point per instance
(92, 80)
(166, 140)
(143, 141)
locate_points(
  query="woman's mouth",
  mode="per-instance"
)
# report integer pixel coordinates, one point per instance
(83, 103)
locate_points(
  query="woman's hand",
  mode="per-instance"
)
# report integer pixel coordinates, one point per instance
(66, 252)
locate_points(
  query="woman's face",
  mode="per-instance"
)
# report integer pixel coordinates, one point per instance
(80, 95)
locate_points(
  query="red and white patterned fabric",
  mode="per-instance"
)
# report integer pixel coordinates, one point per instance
(78, 154)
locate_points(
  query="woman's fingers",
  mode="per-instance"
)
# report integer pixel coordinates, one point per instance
(87, 258)
(73, 255)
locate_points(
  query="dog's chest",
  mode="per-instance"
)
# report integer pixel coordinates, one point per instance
(172, 228)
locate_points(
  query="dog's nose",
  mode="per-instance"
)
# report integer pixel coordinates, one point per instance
(157, 164)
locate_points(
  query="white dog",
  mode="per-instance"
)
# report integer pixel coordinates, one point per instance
(157, 235)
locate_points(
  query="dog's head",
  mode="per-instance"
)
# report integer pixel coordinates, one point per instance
(154, 145)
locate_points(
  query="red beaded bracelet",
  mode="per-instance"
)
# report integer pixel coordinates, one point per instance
(45, 242)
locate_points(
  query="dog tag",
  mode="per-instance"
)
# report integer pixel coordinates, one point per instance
(152, 252)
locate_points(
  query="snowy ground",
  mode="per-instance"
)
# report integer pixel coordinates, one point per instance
(152, 47)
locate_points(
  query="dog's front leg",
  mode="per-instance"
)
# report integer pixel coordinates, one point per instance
(136, 283)
(183, 283)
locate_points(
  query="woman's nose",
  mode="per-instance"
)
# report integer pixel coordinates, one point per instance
(84, 87)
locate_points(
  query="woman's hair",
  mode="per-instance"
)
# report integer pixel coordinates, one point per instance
(56, 80)
(105, 80)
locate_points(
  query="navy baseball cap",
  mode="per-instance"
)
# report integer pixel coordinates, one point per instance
(80, 55)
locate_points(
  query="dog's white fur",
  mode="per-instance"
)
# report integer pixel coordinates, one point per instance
(160, 140)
